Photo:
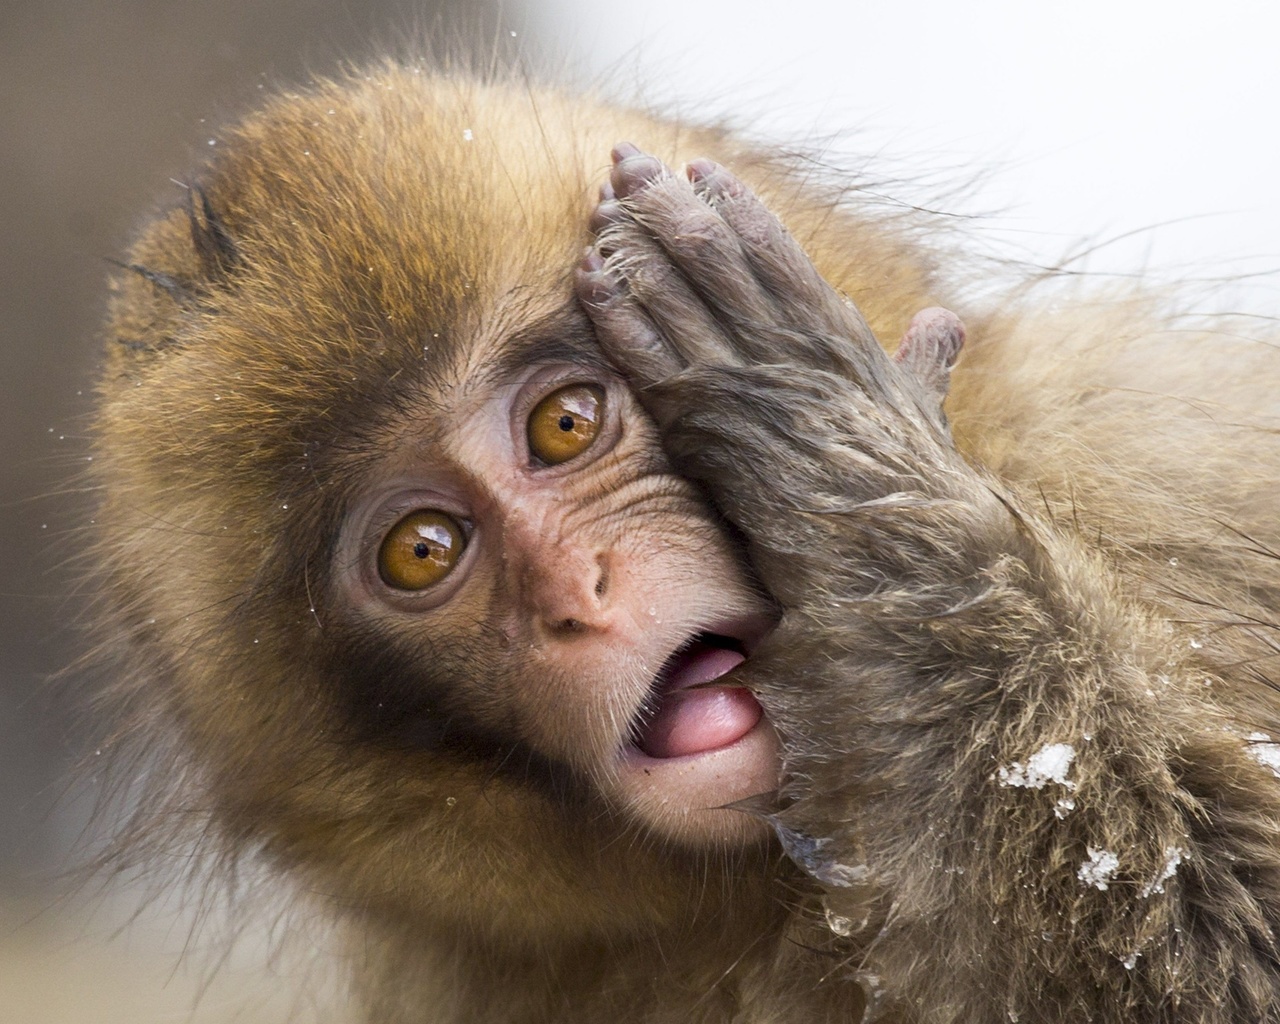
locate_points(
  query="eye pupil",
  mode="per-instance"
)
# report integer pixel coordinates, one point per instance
(422, 549)
(566, 423)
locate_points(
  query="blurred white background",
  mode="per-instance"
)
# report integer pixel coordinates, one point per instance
(1090, 120)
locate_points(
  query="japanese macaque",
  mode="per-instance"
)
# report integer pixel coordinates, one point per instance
(630, 638)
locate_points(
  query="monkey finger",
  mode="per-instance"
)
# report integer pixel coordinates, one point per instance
(633, 171)
(607, 212)
(625, 331)
(702, 246)
(776, 259)
(676, 310)
(930, 347)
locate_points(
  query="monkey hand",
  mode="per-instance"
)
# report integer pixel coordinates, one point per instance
(831, 458)
(769, 386)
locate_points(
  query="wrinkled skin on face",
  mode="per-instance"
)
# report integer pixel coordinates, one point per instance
(578, 612)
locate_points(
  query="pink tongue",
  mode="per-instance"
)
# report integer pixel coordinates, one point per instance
(693, 721)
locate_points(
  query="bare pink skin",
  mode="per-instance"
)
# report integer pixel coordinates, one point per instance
(930, 347)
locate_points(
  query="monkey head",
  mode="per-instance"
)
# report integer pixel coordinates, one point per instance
(393, 551)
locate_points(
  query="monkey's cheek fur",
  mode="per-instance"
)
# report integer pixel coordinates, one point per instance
(686, 797)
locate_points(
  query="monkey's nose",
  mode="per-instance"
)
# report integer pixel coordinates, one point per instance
(568, 590)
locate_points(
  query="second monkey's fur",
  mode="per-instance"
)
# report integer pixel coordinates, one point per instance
(354, 249)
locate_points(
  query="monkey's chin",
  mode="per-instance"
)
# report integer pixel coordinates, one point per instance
(684, 798)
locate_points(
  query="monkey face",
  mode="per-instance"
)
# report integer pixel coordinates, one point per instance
(394, 553)
(565, 594)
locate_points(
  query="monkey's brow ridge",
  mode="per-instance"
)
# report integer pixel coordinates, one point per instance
(559, 338)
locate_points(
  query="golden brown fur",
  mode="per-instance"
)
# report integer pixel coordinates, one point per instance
(363, 243)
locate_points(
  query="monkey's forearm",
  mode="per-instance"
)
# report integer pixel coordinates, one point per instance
(984, 732)
(1031, 776)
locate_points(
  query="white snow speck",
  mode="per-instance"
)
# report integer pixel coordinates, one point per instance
(1048, 764)
(844, 874)
(1064, 807)
(839, 925)
(1172, 858)
(467, 136)
(1131, 961)
(1265, 753)
(1098, 869)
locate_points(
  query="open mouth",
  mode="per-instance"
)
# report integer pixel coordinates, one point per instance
(688, 710)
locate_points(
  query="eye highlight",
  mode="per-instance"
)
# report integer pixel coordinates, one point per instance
(565, 423)
(420, 550)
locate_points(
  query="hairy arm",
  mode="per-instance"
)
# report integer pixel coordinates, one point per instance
(1000, 771)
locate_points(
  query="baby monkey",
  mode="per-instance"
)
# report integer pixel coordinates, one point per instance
(641, 643)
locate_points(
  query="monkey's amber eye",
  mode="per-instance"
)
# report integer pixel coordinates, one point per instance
(565, 423)
(420, 550)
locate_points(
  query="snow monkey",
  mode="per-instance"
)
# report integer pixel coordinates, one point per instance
(631, 637)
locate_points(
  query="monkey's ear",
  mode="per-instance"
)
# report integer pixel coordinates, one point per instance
(179, 291)
(930, 347)
(172, 268)
(216, 249)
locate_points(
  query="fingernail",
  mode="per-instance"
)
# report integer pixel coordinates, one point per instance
(710, 178)
(592, 261)
(636, 172)
(593, 287)
(608, 212)
(701, 168)
(623, 150)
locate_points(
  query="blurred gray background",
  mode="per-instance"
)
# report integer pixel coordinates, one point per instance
(1132, 120)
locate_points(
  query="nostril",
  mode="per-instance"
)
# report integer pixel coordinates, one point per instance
(569, 592)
